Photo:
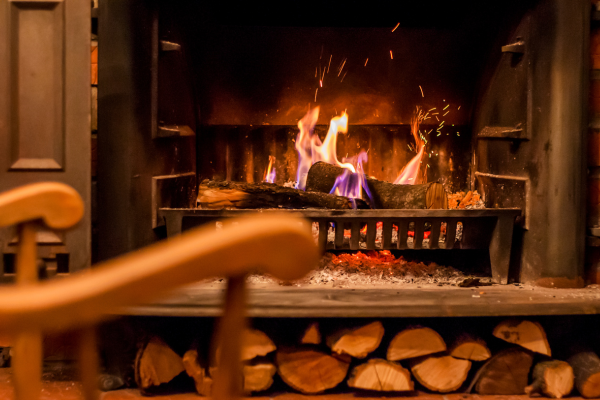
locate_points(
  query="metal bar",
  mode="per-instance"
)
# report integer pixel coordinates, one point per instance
(371, 234)
(354, 235)
(402, 233)
(419, 232)
(323, 234)
(450, 233)
(434, 236)
(339, 234)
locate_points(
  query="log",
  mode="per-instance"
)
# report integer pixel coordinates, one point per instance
(213, 195)
(255, 343)
(527, 334)
(311, 335)
(441, 373)
(258, 376)
(552, 378)
(310, 371)
(198, 372)
(321, 178)
(506, 373)
(415, 342)
(586, 368)
(156, 364)
(357, 342)
(382, 376)
(467, 347)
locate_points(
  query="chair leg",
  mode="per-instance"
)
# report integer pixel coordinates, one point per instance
(27, 365)
(228, 382)
(88, 363)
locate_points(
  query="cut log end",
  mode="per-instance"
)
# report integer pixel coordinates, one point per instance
(415, 342)
(312, 335)
(258, 377)
(586, 368)
(193, 368)
(441, 374)
(382, 376)
(552, 378)
(506, 373)
(527, 334)
(310, 371)
(156, 364)
(256, 343)
(357, 342)
(469, 348)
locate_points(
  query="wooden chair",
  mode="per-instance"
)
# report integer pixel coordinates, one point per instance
(282, 247)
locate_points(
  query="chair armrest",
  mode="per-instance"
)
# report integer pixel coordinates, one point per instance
(58, 205)
(280, 246)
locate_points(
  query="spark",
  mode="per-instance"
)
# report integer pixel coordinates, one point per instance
(344, 76)
(391, 55)
(329, 63)
(316, 94)
(321, 83)
(422, 94)
(438, 135)
(459, 107)
(458, 134)
(431, 109)
(446, 106)
(342, 67)
(316, 69)
(428, 166)
(446, 113)
(437, 118)
(366, 61)
(396, 27)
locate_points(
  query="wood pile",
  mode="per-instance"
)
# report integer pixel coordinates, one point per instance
(371, 357)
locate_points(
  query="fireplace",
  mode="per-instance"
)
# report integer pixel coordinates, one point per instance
(194, 91)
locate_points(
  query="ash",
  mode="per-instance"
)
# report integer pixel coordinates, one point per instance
(373, 268)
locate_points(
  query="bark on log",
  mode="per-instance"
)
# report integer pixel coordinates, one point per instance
(213, 195)
(321, 178)
(357, 342)
(552, 378)
(310, 371)
(415, 342)
(382, 376)
(311, 335)
(156, 364)
(198, 372)
(506, 373)
(586, 368)
(441, 373)
(527, 334)
(470, 348)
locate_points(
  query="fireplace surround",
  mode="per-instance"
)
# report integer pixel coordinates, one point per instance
(190, 91)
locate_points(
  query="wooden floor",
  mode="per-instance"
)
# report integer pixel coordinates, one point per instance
(380, 302)
(68, 390)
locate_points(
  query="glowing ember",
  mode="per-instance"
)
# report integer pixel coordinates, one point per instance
(270, 173)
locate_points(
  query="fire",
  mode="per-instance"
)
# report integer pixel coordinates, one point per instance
(410, 173)
(270, 173)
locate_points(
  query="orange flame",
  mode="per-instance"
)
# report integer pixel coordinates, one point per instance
(270, 173)
(410, 173)
(311, 149)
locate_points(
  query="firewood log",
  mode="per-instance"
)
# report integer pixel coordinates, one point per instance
(310, 371)
(311, 335)
(415, 342)
(255, 343)
(505, 373)
(552, 378)
(441, 373)
(527, 334)
(470, 348)
(198, 373)
(321, 178)
(586, 368)
(258, 376)
(213, 195)
(357, 342)
(156, 364)
(382, 376)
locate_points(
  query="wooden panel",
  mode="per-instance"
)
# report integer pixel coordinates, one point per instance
(37, 62)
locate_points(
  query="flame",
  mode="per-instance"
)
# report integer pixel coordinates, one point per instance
(351, 184)
(410, 173)
(270, 173)
(311, 150)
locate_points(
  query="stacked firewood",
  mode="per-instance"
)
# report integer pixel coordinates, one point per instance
(415, 358)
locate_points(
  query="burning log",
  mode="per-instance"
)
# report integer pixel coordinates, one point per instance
(552, 378)
(382, 376)
(156, 364)
(442, 373)
(504, 374)
(470, 348)
(213, 195)
(415, 342)
(358, 342)
(527, 334)
(311, 335)
(311, 371)
(586, 368)
(197, 372)
(321, 178)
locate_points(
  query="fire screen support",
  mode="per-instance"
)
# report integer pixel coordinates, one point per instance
(523, 89)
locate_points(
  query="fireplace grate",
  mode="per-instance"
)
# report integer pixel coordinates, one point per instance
(385, 229)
